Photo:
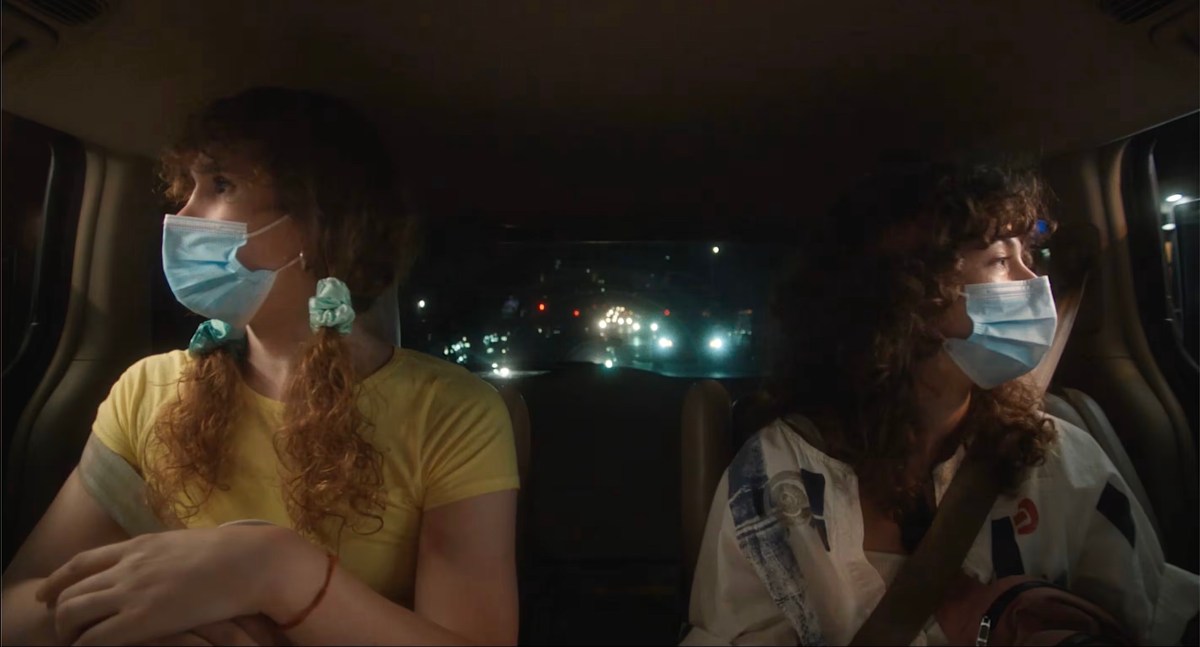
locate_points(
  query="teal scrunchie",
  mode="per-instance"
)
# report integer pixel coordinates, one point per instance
(214, 334)
(331, 307)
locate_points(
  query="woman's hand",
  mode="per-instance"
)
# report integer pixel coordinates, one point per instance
(161, 584)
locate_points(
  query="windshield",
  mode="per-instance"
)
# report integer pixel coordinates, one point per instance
(679, 309)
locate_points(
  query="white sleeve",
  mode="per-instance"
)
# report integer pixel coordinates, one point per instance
(1120, 564)
(730, 604)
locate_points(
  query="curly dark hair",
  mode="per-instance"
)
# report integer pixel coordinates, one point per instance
(859, 313)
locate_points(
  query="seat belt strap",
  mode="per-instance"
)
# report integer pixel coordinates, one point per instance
(925, 578)
(1068, 308)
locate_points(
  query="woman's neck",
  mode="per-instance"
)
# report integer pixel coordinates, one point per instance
(273, 352)
(943, 399)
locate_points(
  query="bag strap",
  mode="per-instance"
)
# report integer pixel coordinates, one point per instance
(925, 578)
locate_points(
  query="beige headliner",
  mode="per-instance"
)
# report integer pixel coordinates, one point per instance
(629, 101)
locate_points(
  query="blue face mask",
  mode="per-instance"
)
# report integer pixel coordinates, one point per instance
(200, 261)
(1014, 327)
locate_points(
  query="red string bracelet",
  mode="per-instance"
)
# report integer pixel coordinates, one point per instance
(333, 560)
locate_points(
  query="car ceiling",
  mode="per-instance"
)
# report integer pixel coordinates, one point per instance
(701, 116)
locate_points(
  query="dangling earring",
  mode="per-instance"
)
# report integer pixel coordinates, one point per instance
(303, 262)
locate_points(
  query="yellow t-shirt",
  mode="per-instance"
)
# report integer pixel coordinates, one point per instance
(445, 436)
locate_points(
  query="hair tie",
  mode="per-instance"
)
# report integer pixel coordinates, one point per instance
(331, 307)
(214, 334)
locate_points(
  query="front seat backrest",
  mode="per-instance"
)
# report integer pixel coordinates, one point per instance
(518, 413)
(705, 452)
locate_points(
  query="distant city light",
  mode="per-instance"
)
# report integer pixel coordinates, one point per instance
(421, 303)
(716, 343)
(541, 307)
(1170, 226)
(504, 372)
(576, 313)
(667, 313)
(637, 327)
(654, 327)
(716, 250)
(665, 342)
(608, 363)
(603, 324)
(1175, 197)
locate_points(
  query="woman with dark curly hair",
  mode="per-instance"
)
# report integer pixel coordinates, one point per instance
(911, 322)
(305, 481)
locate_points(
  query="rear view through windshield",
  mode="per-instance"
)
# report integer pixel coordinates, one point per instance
(679, 309)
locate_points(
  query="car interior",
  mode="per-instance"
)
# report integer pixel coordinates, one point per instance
(608, 192)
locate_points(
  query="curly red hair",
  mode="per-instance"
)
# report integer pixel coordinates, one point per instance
(329, 169)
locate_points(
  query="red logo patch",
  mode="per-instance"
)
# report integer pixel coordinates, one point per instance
(1026, 518)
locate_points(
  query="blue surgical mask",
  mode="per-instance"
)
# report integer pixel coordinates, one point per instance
(200, 261)
(1014, 324)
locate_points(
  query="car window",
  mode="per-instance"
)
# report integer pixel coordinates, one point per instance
(1176, 166)
(1184, 270)
(682, 309)
(1161, 184)
(26, 171)
(42, 186)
